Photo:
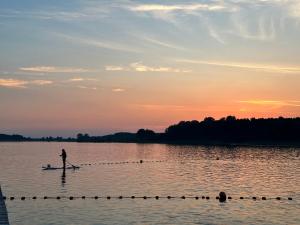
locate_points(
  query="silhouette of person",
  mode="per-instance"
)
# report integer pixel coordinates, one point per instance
(64, 157)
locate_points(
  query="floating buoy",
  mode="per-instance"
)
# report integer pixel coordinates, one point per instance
(156, 197)
(241, 197)
(278, 198)
(71, 198)
(108, 197)
(169, 197)
(217, 158)
(229, 198)
(141, 161)
(183, 197)
(254, 198)
(96, 197)
(83, 197)
(23, 198)
(222, 196)
(207, 197)
(12, 198)
(57, 197)
(196, 197)
(34, 197)
(203, 197)
(120, 197)
(132, 197)
(263, 198)
(145, 197)
(45, 197)
(289, 198)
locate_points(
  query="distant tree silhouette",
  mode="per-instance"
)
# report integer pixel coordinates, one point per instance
(230, 129)
(145, 135)
(209, 131)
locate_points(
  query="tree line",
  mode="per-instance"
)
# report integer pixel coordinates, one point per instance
(208, 131)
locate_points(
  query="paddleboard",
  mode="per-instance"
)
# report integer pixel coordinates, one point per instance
(60, 168)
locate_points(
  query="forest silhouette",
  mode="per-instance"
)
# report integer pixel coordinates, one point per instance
(227, 130)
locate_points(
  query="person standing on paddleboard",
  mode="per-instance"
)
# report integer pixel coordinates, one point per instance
(64, 157)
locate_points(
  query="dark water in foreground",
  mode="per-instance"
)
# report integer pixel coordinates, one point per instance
(189, 171)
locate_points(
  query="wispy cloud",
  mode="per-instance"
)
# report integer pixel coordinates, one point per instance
(114, 68)
(41, 82)
(140, 67)
(261, 28)
(53, 69)
(179, 7)
(158, 107)
(249, 66)
(86, 87)
(277, 103)
(118, 89)
(15, 83)
(162, 43)
(116, 46)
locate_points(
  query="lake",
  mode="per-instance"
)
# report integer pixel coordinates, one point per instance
(167, 170)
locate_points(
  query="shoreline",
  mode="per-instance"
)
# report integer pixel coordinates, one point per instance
(180, 143)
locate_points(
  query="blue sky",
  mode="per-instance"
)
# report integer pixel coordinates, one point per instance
(105, 66)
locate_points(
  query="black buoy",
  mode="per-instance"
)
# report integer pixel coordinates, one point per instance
(108, 197)
(169, 197)
(263, 198)
(23, 198)
(141, 161)
(217, 158)
(34, 197)
(278, 198)
(83, 197)
(183, 197)
(71, 198)
(145, 197)
(132, 196)
(289, 198)
(96, 197)
(58, 197)
(222, 196)
(156, 197)
(196, 197)
(45, 197)
(12, 198)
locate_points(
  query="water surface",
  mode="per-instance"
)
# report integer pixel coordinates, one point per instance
(189, 171)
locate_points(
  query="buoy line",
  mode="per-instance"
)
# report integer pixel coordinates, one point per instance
(220, 198)
(122, 162)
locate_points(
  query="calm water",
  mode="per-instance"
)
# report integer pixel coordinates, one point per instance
(189, 171)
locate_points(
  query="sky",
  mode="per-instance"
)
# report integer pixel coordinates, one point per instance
(103, 66)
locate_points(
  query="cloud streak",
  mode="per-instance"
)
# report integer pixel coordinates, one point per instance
(118, 90)
(178, 7)
(15, 83)
(249, 66)
(277, 103)
(139, 67)
(53, 69)
(116, 46)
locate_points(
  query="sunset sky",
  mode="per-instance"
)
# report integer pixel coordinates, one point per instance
(118, 65)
